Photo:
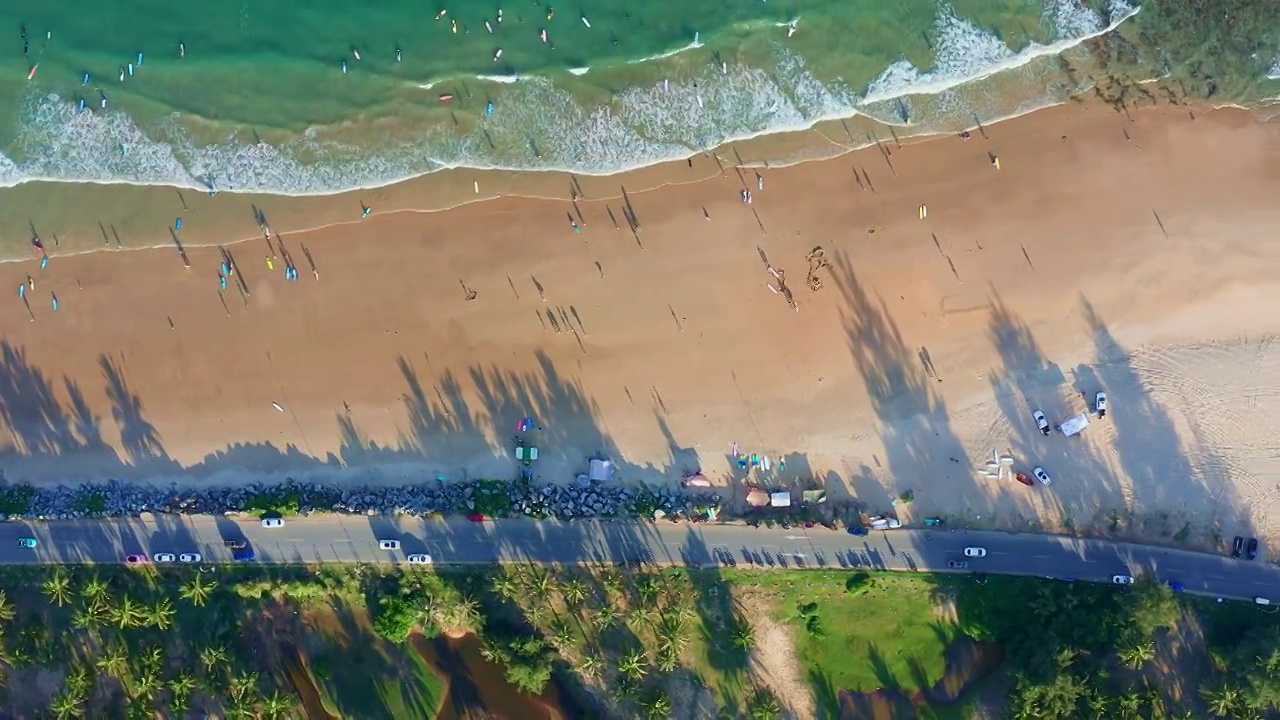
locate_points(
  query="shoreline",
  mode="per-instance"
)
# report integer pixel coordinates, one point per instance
(385, 370)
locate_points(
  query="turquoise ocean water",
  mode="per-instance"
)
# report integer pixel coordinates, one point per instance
(252, 95)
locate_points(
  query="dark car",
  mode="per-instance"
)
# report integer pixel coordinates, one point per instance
(243, 554)
(958, 564)
(1237, 547)
(1251, 551)
(859, 531)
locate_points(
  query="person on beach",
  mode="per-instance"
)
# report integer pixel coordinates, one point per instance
(364, 211)
(55, 301)
(271, 263)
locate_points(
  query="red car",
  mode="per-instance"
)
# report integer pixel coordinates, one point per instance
(476, 518)
(135, 559)
(1022, 478)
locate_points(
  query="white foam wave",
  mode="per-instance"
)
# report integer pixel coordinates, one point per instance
(964, 52)
(1274, 72)
(539, 126)
(664, 55)
(579, 71)
(502, 79)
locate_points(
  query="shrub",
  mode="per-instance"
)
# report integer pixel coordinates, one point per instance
(275, 504)
(16, 499)
(394, 619)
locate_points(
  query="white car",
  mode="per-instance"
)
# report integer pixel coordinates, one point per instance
(1042, 422)
(163, 557)
(1122, 579)
(388, 544)
(1100, 402)
(190, 557)
(975, 552)
(1262, 601)
(1042, 476)
(272, 522)
(420, 559)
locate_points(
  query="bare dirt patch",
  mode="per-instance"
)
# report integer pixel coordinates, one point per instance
(773, 663)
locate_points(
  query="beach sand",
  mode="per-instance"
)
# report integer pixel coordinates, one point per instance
(1089, 261)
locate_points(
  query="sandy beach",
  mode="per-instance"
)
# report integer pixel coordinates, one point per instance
(1105, 254)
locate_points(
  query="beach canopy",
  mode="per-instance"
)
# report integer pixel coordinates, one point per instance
(757, 497)
(1073, 425)
(602, 470)
(781, 498)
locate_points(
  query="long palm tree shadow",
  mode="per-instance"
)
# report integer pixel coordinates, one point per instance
(915, 427)
(1027, 376)
(1165, 471)
(138, 437)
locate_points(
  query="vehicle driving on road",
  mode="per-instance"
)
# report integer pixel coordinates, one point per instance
(388, 544)
(29, 543)
(272, 522)
(190, 557)
(1042, 422)
(164, 557)
(975, 552)
(420, 559)
(1042, 476)
(1122, 579)
(957, 564)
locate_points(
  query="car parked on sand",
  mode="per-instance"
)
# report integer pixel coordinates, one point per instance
(1251, 550)
(388, 544)
(28, 543)
(1042, 422)
(420, 559)
(975, 552)
(190, 557)
(272, 522)
(1042, 476)
(958, 564)
(164, 557)
(1100, 402)
(135, 559)
(1237, 547)
(1122, 579)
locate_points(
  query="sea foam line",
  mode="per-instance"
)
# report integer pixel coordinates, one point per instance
(391, 169)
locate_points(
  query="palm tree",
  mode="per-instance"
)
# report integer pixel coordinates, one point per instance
(145, 686)
(633, 664)
(506, 586)
(467, 611)
(764, 706)
(213, 658)
(58, 587)
(198, 590)
(7, 611)
(127, 614)
(180, 689)
(159, 615)
(79, 681)
(67, 705)
(95, 591)
(668, 658)
(113, 661)
(541, 584)
(278, 705)
(494, 653)
(561, 634)
(243, 686)
(605, 618)
(91, 617)
(743, 636)
(657, 706)
(575, 591)
(1223, 700)
(590, 662)
(1138, 655)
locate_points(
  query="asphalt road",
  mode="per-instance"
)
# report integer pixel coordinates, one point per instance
(331, 538)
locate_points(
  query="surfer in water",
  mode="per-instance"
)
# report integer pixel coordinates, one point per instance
(182, 50)
(344, 67)
(356, 54)
(399, 57)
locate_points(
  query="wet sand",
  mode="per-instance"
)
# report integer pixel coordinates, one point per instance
(1087, 261)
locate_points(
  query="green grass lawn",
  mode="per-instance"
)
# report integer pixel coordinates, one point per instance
(890, 635)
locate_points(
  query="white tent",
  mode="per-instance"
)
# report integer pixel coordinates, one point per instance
(1073, 425)
(602, 470)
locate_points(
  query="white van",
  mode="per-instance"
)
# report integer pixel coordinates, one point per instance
(1262, 601)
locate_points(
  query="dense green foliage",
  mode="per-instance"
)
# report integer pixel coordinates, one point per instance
(276, 503)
